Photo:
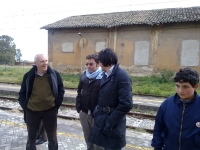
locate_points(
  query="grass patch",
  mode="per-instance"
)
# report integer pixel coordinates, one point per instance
(70, 80)
(152, 85)
(160, 85)
(13, 74)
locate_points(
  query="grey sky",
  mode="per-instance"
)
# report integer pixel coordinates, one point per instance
(22, 19)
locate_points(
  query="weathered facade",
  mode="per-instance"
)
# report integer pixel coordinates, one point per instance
(146, 42)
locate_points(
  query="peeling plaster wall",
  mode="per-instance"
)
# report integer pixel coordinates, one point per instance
(141, 49)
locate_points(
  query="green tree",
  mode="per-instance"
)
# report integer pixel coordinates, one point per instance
(18, 55)
(7, 49)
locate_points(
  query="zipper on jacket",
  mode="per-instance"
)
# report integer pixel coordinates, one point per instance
(181, 126)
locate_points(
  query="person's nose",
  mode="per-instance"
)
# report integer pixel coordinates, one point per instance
(180, 90)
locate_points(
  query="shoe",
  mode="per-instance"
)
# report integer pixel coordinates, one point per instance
(38, 142)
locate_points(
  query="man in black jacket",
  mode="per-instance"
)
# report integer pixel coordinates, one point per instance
(87, 96)
(40, 96)
(114, 102)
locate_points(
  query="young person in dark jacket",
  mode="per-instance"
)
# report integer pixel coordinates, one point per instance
(40, 96)
(87, 96)
(177, 123)
(114, 102)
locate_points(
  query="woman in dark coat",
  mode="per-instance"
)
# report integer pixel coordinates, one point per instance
(114, 102)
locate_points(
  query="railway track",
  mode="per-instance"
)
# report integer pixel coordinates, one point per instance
(66, 108)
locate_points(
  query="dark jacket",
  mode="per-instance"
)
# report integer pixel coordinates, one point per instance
(175, 125)
(27, 84)
(88, 91)
(110, 127)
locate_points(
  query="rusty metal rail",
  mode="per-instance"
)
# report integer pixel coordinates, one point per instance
(133, 114)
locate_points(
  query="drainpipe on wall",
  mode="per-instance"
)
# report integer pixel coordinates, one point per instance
(154, 46)
(108, 38)
(122, 50)
(115, 39)
(82, 47)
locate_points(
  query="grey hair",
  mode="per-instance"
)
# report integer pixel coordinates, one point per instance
(36, 57)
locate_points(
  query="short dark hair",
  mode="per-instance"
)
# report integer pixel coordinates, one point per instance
(93, 56)
(107, 57)
(187, 75)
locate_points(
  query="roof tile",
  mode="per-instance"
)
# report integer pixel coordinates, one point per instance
(108, 20)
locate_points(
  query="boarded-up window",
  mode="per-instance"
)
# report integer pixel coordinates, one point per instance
(190, 53)
(100, 46)
(141, 56)
(67, 47)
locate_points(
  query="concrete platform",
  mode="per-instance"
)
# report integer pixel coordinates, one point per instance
(147, 103)
(13, 135)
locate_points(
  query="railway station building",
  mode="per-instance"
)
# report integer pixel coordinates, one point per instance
(145, 41)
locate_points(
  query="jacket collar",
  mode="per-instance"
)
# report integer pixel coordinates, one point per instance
(34, 68)
(114, 69)
(178, 101)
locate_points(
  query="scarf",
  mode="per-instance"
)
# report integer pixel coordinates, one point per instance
(96, 74)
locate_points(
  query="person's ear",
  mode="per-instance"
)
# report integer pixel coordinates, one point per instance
(196, 86)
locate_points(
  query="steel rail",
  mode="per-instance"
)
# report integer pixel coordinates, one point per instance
(133, 114)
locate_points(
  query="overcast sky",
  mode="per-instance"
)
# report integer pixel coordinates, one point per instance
(22, 19)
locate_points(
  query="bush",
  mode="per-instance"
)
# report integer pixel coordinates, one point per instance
(166, 76)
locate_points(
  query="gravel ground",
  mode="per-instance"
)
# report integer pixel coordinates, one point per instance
(131, 121)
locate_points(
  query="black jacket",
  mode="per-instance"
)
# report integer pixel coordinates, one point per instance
(87, 93)
(115, 92)
(27, 85)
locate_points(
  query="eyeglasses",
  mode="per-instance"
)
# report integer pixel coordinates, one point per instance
(90, 64)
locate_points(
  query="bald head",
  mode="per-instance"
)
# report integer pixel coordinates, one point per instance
(41, 62)
(37, 56)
